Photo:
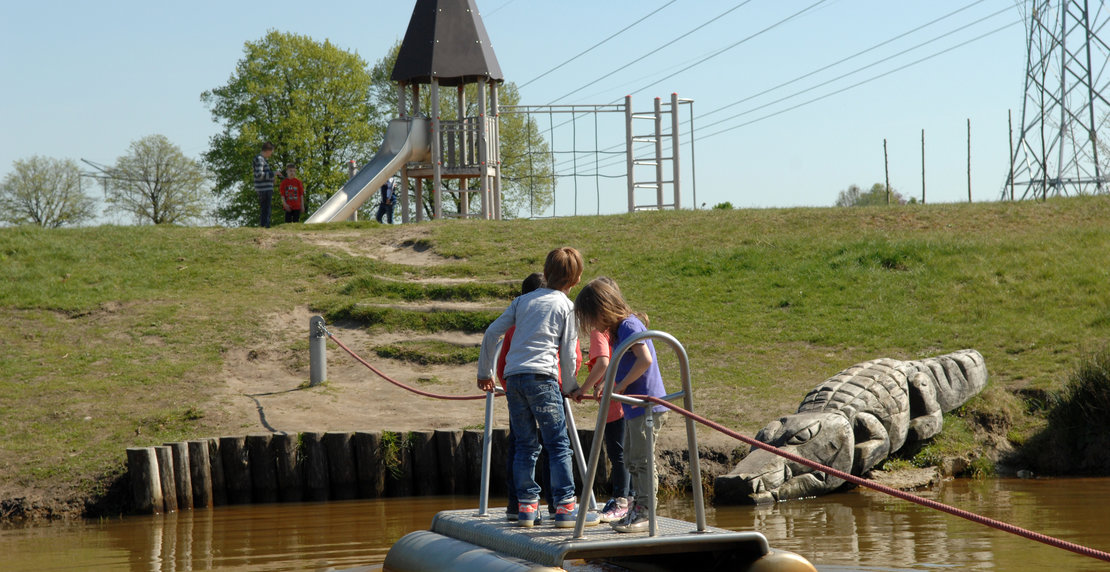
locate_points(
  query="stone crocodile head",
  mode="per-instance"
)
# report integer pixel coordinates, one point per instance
(822, 436)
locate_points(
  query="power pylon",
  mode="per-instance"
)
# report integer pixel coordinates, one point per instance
(1063, 145)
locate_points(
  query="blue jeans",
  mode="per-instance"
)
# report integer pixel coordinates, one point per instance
(542, 467)
(534, 399)
(614, 449)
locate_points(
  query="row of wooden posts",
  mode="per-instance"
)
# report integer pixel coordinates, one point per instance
(318, 466)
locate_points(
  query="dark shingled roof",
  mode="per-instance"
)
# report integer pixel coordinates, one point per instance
(446, 40)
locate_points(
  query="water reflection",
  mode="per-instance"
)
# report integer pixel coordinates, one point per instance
(861, 530)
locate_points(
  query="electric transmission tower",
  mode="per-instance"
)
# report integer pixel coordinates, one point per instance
(1063, 145)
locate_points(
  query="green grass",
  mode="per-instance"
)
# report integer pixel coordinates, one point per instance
(116, 335)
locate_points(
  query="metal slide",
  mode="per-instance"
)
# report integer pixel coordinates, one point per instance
(405, 140)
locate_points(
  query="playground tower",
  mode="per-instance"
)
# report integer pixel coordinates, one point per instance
(446, 45)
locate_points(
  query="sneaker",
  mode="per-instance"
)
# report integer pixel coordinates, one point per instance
(614, 510)
(527, 514)
(566, 515)
(636, 520)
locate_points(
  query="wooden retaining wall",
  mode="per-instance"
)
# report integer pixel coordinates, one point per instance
(319, 466)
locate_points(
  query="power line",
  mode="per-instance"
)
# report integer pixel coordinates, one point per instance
(591, 48)
(656, 50)
(842, 60)
(868, 80)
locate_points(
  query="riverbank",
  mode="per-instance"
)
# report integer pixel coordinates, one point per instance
(137, 336)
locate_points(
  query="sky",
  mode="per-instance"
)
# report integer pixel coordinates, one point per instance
(792, 100)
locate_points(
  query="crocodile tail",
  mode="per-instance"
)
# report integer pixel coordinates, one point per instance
(957, 376)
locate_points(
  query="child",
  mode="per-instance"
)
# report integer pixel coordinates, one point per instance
(292, 194)
(543, 344)
(600, 352)
(389, 198)
(599, 306)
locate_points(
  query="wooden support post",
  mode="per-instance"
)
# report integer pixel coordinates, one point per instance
(425, 463)
(263, 468)
(450, 451)
(165, 477)
(472, 460)
(398, 478)
(369, 470)
(341, 465)
(315, 466)
(290, 475)
(497, 474)
(219, 487)
(237, 469)
(200, 472)
(146, 489)
(181, 475)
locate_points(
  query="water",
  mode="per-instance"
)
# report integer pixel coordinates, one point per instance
(855, 531)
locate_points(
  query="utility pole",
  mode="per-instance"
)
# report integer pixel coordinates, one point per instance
(886, 170)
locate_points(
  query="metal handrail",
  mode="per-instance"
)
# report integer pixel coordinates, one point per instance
(687, 394)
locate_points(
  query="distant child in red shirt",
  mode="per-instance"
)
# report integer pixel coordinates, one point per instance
(292, 194)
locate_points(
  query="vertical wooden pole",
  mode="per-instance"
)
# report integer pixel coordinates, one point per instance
(341, 465)
(263, 468)
(886, 170)
(181, 475)
(922, 166)
(146, 489)
(315, 466)
(200, 472)
(165, 478)
(1010, 120)
(425, 463)
(237, 469)
(219, 486)
(290, 475)
(369, 470)
(451, 456)
(969, 159)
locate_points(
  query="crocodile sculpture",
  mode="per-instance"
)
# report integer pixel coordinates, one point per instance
(852, 422)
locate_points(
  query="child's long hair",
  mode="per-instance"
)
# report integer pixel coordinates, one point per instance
(600, 306)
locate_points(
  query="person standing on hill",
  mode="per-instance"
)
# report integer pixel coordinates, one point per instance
(264, 183)
(389, 197)
(292, 194)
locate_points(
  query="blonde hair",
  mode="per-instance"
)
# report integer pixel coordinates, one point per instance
(563, 268)
(600, 306)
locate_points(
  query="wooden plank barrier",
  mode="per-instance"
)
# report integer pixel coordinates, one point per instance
(320, 466)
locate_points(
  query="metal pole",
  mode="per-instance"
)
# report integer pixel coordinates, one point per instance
(317, 352)
(487, 445)
(923, 166)
(628, 152)
(658, 153)
(576, 445)
(676, 178)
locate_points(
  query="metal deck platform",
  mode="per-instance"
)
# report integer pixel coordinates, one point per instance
(550, 546)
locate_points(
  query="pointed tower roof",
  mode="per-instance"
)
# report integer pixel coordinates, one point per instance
(446, 40)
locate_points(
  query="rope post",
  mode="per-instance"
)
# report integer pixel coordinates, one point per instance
(317, 351)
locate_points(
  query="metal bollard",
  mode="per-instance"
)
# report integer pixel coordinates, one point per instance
(317, 352)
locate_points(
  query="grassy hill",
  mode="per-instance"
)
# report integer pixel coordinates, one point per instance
(115, 335)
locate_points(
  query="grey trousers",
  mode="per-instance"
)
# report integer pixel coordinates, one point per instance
(639, 458)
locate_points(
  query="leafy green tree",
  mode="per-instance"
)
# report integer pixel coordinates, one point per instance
(310, 99)
(854, 197)
(156, 183)
(46, 192)
(526, 185)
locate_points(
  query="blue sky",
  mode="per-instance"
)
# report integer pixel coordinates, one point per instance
(785, 112)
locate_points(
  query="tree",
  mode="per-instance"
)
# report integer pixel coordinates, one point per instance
(46, 192)
(526, 176)
(853, 197)
(311, 99)
(155, 182)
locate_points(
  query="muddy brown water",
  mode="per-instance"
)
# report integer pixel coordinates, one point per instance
(854, 531)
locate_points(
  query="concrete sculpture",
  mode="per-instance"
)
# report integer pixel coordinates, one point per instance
(852, 422)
